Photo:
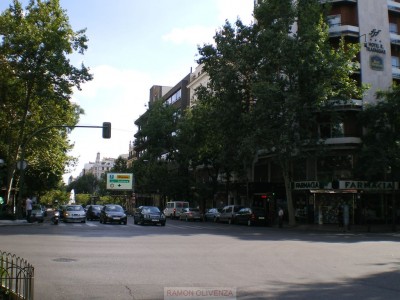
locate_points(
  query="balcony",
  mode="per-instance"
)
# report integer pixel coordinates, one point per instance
(343, 142)
(393, 6)
(395, 38)
(396, 72)
(333, 1)
(339, 30)
(353, 103)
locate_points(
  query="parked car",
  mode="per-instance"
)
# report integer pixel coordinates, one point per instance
(251, 216)
(174, 208)
(149, 215)
(228, 213)
(191, 214)
(93, 212)
(212, 214)
(113, 213)
(37, 214)
(74, 213)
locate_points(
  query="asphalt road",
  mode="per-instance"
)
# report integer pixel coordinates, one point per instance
(109, 261)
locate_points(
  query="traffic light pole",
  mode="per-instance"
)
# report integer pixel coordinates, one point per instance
(18, 205)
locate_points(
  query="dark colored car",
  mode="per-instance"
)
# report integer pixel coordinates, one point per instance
(191, 214)
(113, 213)
(149, 215)
(251, 217)
(212, 214)
(93, 212)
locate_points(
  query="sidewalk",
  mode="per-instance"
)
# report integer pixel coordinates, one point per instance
(334, 228)
(14, 222)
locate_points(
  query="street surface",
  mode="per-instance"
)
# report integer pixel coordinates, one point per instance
(110, 261)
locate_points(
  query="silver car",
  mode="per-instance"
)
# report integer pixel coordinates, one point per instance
(191, 214)
(212, 214)
(74, 213)
(37, 214)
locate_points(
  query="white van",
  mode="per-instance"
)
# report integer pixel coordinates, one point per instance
(174, 208)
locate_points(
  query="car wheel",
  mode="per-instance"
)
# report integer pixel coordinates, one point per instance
(163, 224)
(134, 221)
(84, 221)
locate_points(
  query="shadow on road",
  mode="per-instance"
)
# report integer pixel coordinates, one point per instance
(179, 228)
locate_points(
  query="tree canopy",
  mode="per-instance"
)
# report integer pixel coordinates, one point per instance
(36, 83)
(268, 80)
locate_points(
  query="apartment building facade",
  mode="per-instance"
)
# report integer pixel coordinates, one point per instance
(325, 185)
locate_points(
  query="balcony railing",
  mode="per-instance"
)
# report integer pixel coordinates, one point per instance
(339, 29)
(393, 6)
(16, 277)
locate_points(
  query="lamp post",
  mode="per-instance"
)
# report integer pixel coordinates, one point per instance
(21, 166)
(2, 163)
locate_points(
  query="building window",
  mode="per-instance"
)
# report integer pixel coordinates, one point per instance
(174, 98)
(393, 28)
(334, 20)
(395, 61)
(331, 130)
(335, 167)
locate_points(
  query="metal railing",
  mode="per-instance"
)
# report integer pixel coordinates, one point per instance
(16, 277)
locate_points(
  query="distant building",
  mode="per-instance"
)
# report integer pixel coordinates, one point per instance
(99, 167)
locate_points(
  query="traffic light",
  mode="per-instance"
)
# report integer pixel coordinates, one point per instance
(106, 130)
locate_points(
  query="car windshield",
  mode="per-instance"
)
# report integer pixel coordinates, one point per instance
(75, 208)
(36, 207)
(116, 208)
(96, 207)
(148, 210)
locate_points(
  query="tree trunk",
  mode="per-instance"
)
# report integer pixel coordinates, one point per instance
(288, 190)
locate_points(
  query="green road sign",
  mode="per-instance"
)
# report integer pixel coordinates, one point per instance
(120, 181)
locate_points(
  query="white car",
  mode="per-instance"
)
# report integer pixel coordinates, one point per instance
(174, 209)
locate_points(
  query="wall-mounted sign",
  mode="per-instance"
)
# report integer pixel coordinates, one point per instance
(376, 63)
(346, 185)
(374, 44)
(369, 185)
(307, 185)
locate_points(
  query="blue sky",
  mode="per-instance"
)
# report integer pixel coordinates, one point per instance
(133, 45)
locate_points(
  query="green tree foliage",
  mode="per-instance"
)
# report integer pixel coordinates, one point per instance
(268, 80)
(55, 197)
(159, 170)
(85, 184)
(380, 155)
(36, 83)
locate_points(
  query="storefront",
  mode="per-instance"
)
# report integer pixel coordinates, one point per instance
(350, 202)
